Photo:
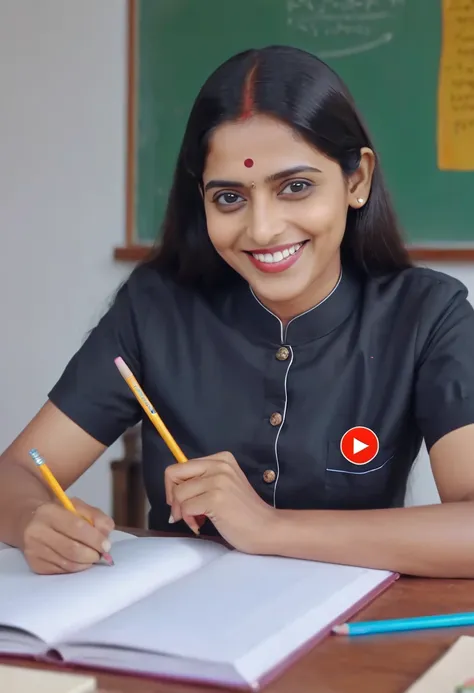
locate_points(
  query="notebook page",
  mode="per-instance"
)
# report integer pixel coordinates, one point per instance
(53, 606)
(117, 535)
(264, 602)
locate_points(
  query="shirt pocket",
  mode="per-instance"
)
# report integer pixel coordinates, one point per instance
(351, 486)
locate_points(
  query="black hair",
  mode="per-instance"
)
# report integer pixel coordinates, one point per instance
(303, 92)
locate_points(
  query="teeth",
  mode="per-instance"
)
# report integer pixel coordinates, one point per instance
(279, 255)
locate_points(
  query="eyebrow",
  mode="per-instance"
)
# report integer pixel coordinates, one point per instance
(269, 179)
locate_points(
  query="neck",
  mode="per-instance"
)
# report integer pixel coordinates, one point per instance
(315, 293)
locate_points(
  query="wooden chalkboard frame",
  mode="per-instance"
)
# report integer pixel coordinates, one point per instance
(132, 251)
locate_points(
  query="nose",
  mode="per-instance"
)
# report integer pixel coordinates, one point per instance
(265, 225)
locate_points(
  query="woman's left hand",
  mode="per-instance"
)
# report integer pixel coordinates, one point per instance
(216, 487)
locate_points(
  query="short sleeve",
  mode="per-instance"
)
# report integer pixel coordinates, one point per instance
(91, 391)
(444, 385)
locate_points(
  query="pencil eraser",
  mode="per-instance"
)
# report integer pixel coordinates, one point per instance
(36, 456)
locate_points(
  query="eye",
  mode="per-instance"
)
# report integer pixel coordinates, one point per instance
(296, 187)
(226, 199)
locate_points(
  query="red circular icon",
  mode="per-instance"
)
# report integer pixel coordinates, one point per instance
(359, 445)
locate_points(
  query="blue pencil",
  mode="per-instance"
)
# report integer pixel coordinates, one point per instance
(398, 625)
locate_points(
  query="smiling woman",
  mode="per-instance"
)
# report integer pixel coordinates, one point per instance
(293, 351)
(290, 211)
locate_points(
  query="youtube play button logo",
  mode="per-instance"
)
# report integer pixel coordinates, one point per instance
(359, 445)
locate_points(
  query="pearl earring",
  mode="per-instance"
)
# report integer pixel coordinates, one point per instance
(360, 200)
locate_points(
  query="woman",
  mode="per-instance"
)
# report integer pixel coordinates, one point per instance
(280, 312)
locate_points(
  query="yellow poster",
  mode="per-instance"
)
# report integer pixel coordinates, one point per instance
(456, 87)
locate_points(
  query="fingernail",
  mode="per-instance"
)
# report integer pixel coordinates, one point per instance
(106, 546)
(171, 520)
(108, 559)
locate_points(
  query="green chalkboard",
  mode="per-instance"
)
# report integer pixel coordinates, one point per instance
(387, 51)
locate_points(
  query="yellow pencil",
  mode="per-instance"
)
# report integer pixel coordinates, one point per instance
(59, 493)
(149, 409)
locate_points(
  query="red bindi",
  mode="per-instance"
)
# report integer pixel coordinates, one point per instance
(248, 163)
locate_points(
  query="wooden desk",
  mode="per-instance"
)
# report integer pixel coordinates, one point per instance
(367, 664)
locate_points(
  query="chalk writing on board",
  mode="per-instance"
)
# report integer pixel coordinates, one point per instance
(346, 27)
(456, 87)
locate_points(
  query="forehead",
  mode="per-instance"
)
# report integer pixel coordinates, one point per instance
(271, 145)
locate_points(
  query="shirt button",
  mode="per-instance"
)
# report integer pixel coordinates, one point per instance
(269, 476)
(282, 353)
(276, 418)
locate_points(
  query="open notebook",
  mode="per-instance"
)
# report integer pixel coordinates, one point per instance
(180, 608)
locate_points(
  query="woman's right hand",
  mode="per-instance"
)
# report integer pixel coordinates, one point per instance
(56, 540)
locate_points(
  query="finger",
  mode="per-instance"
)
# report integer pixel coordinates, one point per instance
(99, 519)
(226, 457)
(43, 568)
(186, 490)
(177, 473)
(204, 466)
(193, 523)
(194, 487)
(68, 549)
(70, 525)
(198, 506)
(44, 560)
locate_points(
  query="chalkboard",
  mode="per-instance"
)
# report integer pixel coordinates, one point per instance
(387, 51)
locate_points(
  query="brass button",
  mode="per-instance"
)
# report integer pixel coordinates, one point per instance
(282, 353)
(276, 418)
(269, 476)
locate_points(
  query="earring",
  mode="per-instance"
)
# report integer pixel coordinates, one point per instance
(360, 200)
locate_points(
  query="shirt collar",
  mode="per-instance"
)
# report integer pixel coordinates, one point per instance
(260, 324)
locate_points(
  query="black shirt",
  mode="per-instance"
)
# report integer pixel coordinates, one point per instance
(393, 353)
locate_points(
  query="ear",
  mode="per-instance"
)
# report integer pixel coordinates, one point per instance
(361, 180)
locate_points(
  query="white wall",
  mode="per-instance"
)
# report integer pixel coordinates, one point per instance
(62, 158)
(62, 166)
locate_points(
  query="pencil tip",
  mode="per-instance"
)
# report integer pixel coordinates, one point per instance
(341, 630)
